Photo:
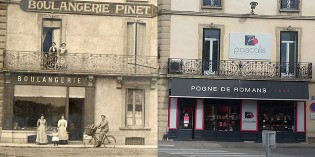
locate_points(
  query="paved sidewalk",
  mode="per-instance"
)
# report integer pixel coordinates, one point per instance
(71, 145)
(217, 144)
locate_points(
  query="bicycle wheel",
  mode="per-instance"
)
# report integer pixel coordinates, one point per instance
(109, 141)
(89, 141)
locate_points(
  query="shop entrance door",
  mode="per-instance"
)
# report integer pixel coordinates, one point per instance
(75, 121)
(186, 121)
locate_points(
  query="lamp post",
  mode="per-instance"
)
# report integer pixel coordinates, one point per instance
(253, 5)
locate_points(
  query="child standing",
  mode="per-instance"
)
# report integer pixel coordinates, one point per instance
(55, 138)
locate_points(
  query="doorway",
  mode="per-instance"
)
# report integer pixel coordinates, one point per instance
(186, 118)
(75, 122)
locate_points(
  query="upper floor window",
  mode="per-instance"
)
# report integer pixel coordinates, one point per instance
(136, 38)
(211, 3)
(288, 52)
(289, 4)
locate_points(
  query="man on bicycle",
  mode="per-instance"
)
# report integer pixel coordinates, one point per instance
(104, 129)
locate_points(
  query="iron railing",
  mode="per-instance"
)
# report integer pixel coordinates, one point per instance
(80, 63)
(240, 68)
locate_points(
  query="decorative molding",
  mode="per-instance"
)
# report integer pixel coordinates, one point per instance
(119, 82)
(153, 82)
(51, 16)
(212, 25)
(289, 28)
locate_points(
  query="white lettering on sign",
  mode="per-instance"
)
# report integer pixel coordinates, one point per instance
(49, 79)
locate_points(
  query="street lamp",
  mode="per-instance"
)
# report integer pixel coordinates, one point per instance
(253, 5)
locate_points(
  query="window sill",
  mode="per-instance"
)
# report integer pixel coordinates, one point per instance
(133, 128)
(212, 7)
(290, 10)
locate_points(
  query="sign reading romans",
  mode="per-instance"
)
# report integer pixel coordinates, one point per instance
(88, 7)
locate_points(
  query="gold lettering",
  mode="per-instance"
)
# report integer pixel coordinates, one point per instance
(25, 78)
(44, 79)
(87, 7)
(95, 8)
(72, 7)
(31, 4)
(80, 6)
(32, 79)
(146, 12)
(53, 6)
(79, 80)
(50, 79)
(39, 5)
(119, 8)
(139, 10)
(131, 10)
(63, 6)
(105, 8)
(46, 5)
(56, 79)
(69, 80)
(37, 79)
(19, 78)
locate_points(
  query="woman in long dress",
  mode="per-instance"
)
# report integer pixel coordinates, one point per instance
(62, 130)
(41, 137)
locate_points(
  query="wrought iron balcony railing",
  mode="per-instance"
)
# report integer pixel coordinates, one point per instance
(80, 63)
(237, 68)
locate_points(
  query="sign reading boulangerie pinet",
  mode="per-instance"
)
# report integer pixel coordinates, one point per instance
(240, 89)
(89, 7)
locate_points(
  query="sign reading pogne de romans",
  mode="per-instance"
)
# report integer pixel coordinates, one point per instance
(239, 89)
(89, 7)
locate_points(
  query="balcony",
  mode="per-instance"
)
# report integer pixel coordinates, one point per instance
(240, 69)
(32, 61)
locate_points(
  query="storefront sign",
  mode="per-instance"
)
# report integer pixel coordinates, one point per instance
(240, 89)
(34, 79)
(250, 46)
(249, 119)
(88, 7)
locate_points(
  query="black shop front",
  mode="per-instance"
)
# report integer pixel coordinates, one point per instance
(236, 110)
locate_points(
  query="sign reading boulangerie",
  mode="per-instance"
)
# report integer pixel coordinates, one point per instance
(239, 89)
(89, 7)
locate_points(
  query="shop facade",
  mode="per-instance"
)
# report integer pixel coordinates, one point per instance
(109, 68)
(237, 110)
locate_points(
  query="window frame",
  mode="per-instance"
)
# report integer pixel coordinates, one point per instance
(290, 10)
(134, 108)
(213, 63)
(216, 9)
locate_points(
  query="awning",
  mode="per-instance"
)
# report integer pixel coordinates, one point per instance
(239, 89)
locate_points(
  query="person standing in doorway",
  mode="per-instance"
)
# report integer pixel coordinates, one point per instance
(62, 130)
(104, 129)
(41, 137)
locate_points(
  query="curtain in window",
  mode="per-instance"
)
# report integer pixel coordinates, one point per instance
(289, 4)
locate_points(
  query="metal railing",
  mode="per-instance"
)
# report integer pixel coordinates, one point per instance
(80, 63)
(240, 69)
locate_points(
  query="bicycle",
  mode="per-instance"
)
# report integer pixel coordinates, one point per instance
(90, 140)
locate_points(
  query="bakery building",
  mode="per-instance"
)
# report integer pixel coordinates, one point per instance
(108, 66)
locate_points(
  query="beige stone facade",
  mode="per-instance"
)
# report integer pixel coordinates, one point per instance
(115, 55)
(181, 36)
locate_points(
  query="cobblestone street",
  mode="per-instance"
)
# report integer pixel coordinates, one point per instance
(77, 152)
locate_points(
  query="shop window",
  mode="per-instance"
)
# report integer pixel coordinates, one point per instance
(277, 116)
(135, 108)
(136, 38)
(211, 50)
(27, 110)
(286, 5)
(228, 118)
(218, 117)
(288, 53)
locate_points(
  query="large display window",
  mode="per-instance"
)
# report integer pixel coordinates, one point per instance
(276, 115)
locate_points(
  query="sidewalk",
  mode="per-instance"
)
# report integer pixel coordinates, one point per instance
(72, 145)
(218, 144)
